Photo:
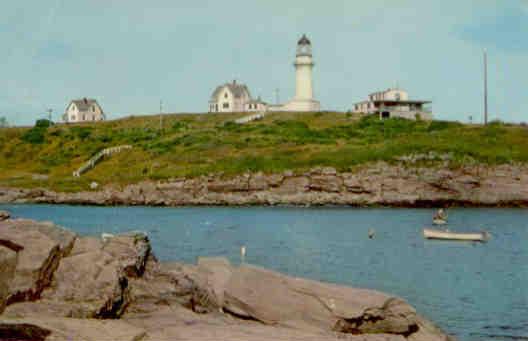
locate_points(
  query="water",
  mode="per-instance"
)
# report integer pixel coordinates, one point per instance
(473, 291)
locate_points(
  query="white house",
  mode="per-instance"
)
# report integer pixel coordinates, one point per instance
(394, 102)
(256, 105)
(234, 97)
(83, 110)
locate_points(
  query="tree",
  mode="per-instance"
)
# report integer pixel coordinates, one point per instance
(3, 122)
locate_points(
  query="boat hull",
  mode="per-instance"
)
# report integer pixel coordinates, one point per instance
(447, 235)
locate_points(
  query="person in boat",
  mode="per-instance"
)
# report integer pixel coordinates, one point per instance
(440, 214)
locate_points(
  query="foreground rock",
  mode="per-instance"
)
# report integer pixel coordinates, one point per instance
(62, 329)
(39, 248)
(272, 298)
(8, 260)
(57, 286)
(401, 184)
(92, 283)
(4, 215)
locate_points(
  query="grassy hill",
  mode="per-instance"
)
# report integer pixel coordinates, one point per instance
(194, 144)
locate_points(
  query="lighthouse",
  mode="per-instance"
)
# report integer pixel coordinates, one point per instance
(303, 69)
(303, 100)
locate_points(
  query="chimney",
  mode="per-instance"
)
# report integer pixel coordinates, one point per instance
(85, 100)
(234, 81)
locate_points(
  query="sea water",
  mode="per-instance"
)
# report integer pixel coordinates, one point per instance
(475, 291)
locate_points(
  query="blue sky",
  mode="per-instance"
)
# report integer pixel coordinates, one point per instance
(129, 54)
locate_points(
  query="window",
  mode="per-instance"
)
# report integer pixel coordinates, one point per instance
(397, 96)
(225, 95)
(93, 118)
(93, 108)
(73, 118)
(225, 106)
(216, 107)
(84, 118)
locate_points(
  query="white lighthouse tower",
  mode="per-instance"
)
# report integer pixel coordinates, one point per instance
(304, 64)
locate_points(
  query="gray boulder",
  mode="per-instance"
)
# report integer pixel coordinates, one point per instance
(38, 257)
(67, 329)
(101, 289)
(271, 298)
(4, 215)
(8, 260)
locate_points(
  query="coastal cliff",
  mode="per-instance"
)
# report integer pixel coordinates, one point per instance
(401, 184)
(56, 285)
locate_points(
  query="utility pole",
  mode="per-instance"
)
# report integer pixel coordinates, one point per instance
(485, 87)
(161, 115)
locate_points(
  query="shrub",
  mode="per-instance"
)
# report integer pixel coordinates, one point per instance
(442, 125)
(36, 134)
(43, 123)
(179, 125)
(82, 132)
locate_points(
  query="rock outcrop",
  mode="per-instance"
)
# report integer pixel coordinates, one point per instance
(8, 260)
(401, 184)
(57, 286)
(38, 258)
(4, 215)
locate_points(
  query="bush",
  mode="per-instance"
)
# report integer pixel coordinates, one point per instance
(43, 123)
(442, 125)
(179, 125)
(82, 132)
(36, 134)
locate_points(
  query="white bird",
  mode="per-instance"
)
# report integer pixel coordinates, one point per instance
(243, 252)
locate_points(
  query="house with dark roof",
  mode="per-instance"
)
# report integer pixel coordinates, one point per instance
(83, 110)
(234, 97)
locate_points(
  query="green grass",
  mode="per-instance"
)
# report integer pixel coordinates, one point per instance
(198, 144)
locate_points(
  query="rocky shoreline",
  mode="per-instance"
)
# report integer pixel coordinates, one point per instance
(56, 285)
(403, 184)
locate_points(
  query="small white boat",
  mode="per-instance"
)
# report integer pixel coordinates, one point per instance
(439, 221)
(448, 235)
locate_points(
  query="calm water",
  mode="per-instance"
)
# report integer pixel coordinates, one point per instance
(474, 291)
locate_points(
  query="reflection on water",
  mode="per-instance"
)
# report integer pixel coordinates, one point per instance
(475, 291)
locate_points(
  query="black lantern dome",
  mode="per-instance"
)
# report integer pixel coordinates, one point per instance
(304, 46)
(304, 41)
